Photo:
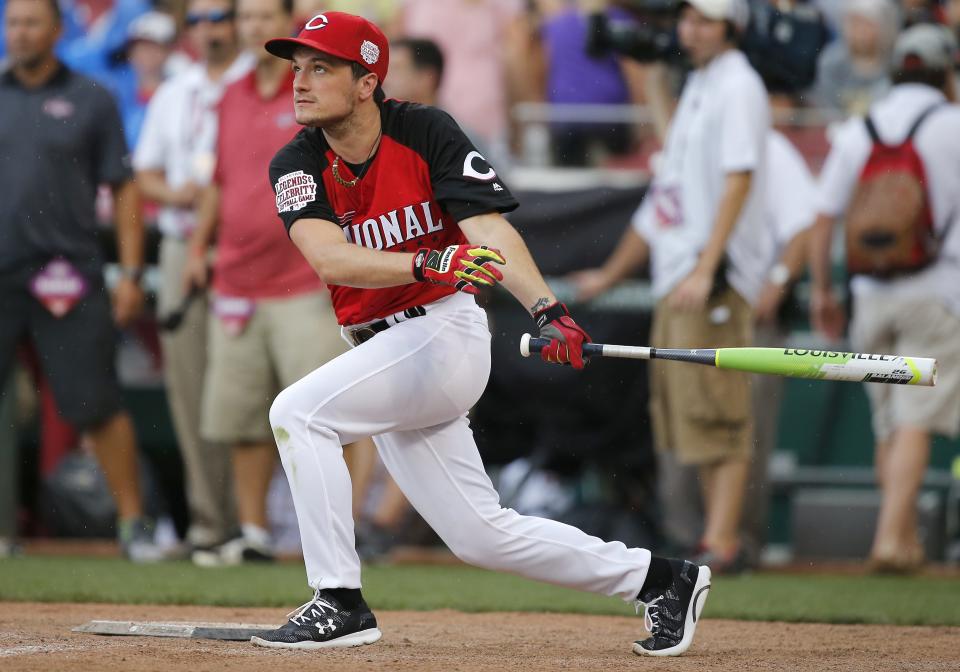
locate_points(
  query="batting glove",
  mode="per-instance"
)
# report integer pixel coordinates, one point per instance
(465, 267)
(566, 336)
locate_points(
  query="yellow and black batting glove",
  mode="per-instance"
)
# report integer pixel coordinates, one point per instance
(465, 267)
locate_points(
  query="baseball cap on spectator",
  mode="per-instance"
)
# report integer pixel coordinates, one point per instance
(927, 45)
(343, 35)
(736, 12)
(152, 27)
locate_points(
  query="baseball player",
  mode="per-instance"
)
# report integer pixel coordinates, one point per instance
(401, 216)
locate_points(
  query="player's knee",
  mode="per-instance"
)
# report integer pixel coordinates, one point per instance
(468, 550)
(283, 409)
(477, 539)
(295, 410)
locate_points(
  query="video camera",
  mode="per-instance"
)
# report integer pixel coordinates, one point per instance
(783, 45)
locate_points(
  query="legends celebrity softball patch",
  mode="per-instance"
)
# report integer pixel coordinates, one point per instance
(294, 191)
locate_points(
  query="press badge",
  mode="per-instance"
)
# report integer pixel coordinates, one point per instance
(233, 312)
(59, 287)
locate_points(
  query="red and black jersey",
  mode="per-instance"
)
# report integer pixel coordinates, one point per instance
(425, 178)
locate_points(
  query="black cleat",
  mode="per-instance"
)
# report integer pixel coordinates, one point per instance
(671, 616)
(323, 623)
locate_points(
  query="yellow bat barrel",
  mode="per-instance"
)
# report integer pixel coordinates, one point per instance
(830, 365)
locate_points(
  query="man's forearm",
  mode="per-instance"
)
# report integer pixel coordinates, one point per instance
(129, 225)
(631, 253)
(520, 82)
(339, 262)
(735, 193)
(796, 253)
(207, 220)
(521, 277)
(153, 185)
(821, 237)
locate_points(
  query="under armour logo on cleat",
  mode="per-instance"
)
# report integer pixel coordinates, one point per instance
(326, 628)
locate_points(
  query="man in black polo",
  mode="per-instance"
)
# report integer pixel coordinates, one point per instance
(60, 137)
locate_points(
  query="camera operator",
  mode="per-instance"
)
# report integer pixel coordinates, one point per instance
(702, 227)
(782, 40)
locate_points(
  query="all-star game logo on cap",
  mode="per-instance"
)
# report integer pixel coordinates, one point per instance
(343, 35)
(370, 52)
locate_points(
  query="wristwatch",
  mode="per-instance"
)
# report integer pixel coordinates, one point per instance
(134, 273)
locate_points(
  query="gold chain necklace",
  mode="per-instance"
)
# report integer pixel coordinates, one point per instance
(335, 168)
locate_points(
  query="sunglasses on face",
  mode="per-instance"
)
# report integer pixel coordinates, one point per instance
(214, 16)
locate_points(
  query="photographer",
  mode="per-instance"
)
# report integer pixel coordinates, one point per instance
(702, 227)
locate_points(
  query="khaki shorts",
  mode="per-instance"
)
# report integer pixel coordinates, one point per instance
(699, 413)
(284, 340)
(889, 325)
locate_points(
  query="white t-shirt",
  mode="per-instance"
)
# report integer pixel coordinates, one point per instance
(179, 134)
(791, 194)
(720, 127)
(938, 144)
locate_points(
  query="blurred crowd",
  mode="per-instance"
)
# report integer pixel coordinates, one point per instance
(174, 109)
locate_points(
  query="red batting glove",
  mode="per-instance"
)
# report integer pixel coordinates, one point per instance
(566, 336)
(465, 267)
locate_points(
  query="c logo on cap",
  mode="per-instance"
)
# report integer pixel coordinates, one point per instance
(317, 22)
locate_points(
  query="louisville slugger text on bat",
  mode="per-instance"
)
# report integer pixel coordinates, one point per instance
(794, 362)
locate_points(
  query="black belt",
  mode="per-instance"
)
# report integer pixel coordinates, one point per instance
(363, 334)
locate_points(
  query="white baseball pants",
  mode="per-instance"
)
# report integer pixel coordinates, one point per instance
(410, 388)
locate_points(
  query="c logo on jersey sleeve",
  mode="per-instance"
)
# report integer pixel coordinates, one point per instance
(473, 164)
(294, 191)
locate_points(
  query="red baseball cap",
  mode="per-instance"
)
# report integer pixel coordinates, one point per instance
(339, 34)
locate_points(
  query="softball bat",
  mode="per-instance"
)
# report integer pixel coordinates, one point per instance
(855, 367)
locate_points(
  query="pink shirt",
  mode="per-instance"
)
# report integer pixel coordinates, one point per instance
(255, 258)
(472, 35)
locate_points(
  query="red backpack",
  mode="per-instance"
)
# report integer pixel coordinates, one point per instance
(889, 224)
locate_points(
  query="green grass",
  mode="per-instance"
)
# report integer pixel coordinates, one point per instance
(797, 598)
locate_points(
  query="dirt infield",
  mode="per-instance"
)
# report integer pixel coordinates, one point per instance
(38, 637)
